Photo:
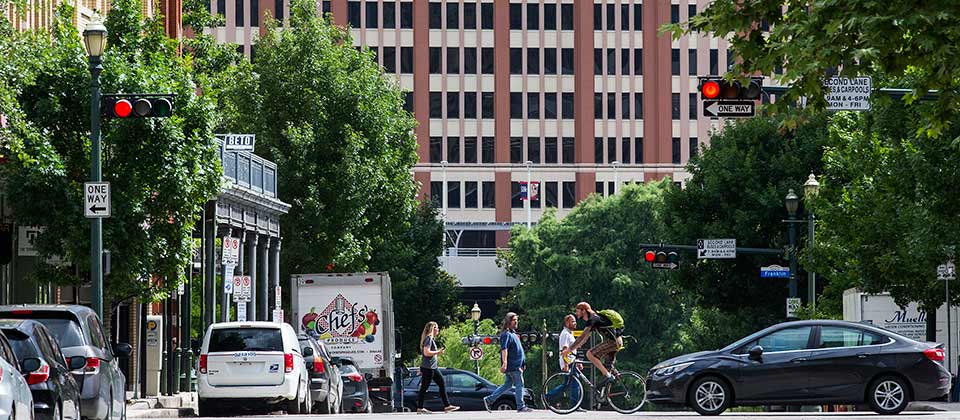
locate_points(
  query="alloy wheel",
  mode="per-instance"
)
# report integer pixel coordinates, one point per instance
(888, 395)
(710, 396)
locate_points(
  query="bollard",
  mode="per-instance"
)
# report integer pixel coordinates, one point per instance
(176, 372)
(185, 370)
(163, 374)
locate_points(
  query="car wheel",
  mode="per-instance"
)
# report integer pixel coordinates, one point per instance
(505, 405)
(709, 396)
(206, 408)
(888, 395)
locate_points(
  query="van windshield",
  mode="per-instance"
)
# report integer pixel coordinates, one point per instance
(245, 339)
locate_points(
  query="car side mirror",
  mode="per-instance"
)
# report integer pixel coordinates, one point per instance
(479, 386)
(122, 350)
(307, 351)
(756, 353)
(368, 376)
(77, 362)
(30, 365)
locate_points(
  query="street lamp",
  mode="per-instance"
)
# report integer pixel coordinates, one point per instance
(475, 315)
(810, 191)
(95, 40)
(791, 202)
(529, 193)
(616, 176)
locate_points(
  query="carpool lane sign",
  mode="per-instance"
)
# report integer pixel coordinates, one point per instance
(96, 200)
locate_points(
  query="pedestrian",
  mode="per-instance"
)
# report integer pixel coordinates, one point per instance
(429, 371)
(566, 362)
(511, 364)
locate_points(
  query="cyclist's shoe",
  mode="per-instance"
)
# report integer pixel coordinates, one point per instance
(525, 410)
(603, 382)
(581, 410)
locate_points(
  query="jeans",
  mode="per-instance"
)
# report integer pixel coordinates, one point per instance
(514, 378)
(574, 392)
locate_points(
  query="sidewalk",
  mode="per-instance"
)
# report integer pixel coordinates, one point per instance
(181, 405)
(933, 406)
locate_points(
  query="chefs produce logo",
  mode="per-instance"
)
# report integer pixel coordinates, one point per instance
(343, 321)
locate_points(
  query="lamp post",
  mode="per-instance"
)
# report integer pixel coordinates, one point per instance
(443, 213)
(475, 315)
(810, 190)
(95, 40)
(616, 176)
(791, 202)
(529, 204)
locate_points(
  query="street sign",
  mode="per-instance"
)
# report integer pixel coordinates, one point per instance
(228, 284)
(278, 316)
(230, 254)
(96, 200)
(246, 289)
(846, 94)
(947, 271)
(181, 288)
(716, 248)
(665, 265)
(476, 353)
(729, 108)
(236, 142)
(237, 288)
(242, 311)
(278, 296)
(774, 272)
(793, 304)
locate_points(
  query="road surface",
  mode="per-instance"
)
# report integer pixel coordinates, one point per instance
(546, 415)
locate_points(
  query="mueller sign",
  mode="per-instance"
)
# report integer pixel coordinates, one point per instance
(343, 322)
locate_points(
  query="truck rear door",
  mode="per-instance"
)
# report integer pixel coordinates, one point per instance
(246, 356)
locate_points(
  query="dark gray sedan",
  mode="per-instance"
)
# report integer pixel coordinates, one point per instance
(805, 363)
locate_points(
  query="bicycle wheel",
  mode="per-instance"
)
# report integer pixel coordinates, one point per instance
(628, 393)
(562, 393)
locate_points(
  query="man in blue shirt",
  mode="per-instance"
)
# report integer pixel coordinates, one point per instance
(511, 364)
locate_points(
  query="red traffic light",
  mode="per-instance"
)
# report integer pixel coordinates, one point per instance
(649, 256)
(122, 108)
(710, 89)
(486, 340)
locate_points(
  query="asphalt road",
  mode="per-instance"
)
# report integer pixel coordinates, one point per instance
(546, 415)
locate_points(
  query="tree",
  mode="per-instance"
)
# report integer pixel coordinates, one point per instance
(457, 354)
(161, 170)
(592, 255)
(812, 39)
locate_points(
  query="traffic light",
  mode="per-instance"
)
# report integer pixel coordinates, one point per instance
(649, 256)
(662, 259)
(718, 88)
(138, 106)
(667, 257)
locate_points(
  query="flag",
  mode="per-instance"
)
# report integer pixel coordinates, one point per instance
(533, 193)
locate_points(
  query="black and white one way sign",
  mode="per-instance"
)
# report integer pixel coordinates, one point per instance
(729, 108)
(96, 199)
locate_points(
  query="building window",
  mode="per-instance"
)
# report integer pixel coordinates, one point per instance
(674, 13)
(516, 149)
(436, 193)
(469, 16)
(436, 105)
(533, 60)
(469, 60)
(254, 19)
(222, 10)
(597, 61)
(436, 67)
(598, 188)
(533, 105)
(470, 150)
(598, 150)
(489, 195)
(692, 62)
(453, 194)
(550, 17)
(611, 106)
(436, 16)
(566, 61)
(550, 191)
(567, 150)
(566, 17)
(406, 60)
(239, 14)
(691, 11)
(488, 144)
(624, 17)
(693, 106)
(516, 105)
(453, 15)
(638, 61)
(598, 106)
(486, 15)
(533, 149)
(638, 17)
(625, 106)
(516, 60)
(611, 149)
(694, 147)
(597, 17)
(567, 105)
(436, 149)
(549, 61)
(675, 106)
(638, 106)
(611, 61)
(470, 194)
(625, 61)
(390, 59)
(406, 15)
(533, 16)
(515, 201)
(353, 14)
(676, 151)
(569, 194)
(550, 150)
(373, 9)
(389, 15)
(638, 150)
(714, 65)
(453, 149)
(486, 60)
(550, 106)
(408, 101)
(625, 150)
(729, 60)
(516, 16)
(470, 105)
(453, 104)
(486, 104)
(675, 62)
(453, 60)
(611, 18)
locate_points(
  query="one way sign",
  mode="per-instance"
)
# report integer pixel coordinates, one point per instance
(729, 108)
(96, 200)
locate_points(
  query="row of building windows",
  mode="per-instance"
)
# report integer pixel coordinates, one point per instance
(452, 145)
(611, 19)
(469, 107)
(675, 12)
(470, 62)
(611, 101)
(473, 194)
(452, 15)
(548, 106)
(692, 61)
(611, 55)
(675, 109)
(553, 151)
(533, 17)
(372, 19)
(610, 145)
(550, 61)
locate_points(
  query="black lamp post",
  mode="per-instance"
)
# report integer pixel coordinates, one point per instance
(475, 315)
(792, 202)
(810, 191)
(95, 40)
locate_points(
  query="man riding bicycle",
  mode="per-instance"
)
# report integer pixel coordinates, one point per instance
(612, 342)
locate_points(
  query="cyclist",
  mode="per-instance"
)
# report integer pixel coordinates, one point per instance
(610, 331)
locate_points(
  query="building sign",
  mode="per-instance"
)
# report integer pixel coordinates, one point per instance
(846, 94)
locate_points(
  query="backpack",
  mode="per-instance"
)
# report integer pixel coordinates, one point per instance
(615, 319)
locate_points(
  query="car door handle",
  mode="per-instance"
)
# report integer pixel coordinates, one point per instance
(863, 355)
(799, 360)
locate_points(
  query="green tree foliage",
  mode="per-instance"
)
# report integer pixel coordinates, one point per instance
(161, 170)
(592, 255)
(811, 39)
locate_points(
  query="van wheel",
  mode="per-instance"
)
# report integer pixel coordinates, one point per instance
(888, 395)
(709, 396)
(293, 406)
(206, 408)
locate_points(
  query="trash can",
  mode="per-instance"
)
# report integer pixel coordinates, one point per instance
(381, 394)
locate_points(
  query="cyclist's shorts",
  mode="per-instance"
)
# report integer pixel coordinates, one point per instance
(607, 349)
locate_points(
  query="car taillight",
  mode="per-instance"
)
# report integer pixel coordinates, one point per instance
(39, 376)
(354, 377)
(21, 312)
(203, 363)
(935, 354)
(92, 367)
(318, 365)
(288, 362)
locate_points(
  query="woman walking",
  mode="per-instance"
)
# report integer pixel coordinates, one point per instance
(428, 368)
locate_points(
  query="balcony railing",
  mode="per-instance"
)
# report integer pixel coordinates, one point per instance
(251, 171)
(471, 252)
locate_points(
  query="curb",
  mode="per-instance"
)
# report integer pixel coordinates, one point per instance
(161, 413)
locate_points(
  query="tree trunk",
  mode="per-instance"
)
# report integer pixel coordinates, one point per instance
(932, 325)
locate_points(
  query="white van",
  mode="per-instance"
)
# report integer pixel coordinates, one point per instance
(244, 365)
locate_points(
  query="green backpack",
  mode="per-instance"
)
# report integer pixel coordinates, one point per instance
(614, 318)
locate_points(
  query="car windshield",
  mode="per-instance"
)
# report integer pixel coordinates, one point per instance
(22, 345)
(245, 339)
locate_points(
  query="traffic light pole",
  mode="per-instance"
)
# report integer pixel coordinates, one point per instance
(96, 223)
(740, 250)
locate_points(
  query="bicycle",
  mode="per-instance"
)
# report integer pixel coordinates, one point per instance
(563, 391)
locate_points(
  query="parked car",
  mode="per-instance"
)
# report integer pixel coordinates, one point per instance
(251, 365)
(80, 334)
(56, 395)
(464, 388)
(326, 386)
(805, 362)
(356, 393)
(16, 402)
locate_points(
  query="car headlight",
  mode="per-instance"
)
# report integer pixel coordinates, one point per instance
(672, 369)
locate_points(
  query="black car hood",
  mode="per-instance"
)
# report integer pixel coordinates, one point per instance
(688, 358)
